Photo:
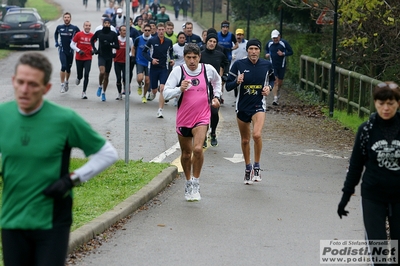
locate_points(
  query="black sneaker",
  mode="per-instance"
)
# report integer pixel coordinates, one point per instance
(275, 103)
(214, 141)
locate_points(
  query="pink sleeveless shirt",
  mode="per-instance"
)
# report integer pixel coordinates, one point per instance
(195, 107)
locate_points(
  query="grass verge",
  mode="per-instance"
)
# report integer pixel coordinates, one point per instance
(352, 122)
(47, 9)
(110, 188)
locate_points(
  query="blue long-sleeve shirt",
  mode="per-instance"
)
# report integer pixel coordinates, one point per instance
(66, 33)
(272, 48)
(256, 76)
(159, 51)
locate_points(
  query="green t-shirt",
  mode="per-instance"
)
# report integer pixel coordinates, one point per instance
(35, 152)
(162, 18)
(173, 37)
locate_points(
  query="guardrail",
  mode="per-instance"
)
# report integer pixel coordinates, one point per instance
(353, 91)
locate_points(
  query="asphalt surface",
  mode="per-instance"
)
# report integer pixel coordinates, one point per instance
(279, 221)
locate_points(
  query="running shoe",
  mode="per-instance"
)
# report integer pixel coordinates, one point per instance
(152, 96)
(119, 97)
(77, 81)
(159, 114)
(275, 102)
(99, 91)
(103, 97)
(139, 90)
(62, 88)
(256, 174)
(66, 88)
(195, 191)
(188, 190)
(84, 95)
(247, 177)
(214, 141)
(144, 100)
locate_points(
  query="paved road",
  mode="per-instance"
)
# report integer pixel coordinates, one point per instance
(279, 221)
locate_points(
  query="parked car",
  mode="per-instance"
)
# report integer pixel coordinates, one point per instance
(22, 26)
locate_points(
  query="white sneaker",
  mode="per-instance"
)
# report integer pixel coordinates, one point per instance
(84, 95)
(62, 88)
(247, 177)
(159, 114)
(77, 81)
(119, 96)
(66, 88)
(188, 190)
(196, 191)
(152, 96)
(257, 175)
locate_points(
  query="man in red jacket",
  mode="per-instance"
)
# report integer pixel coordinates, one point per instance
(81, 45)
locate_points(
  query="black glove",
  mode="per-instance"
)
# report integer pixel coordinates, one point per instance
(133, 59)
(59, 189)
(114, 55)
(81, 52)
(342, 204)
(224, 77)
(95, 51)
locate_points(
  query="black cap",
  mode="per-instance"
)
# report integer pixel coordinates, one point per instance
(253, 42)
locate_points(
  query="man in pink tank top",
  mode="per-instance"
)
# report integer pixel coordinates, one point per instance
(190, 84)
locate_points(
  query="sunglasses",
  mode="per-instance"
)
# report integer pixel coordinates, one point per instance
(147, 30)
(389, 84)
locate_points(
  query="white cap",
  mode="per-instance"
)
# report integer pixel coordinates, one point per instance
(119, 10)
(275, 34)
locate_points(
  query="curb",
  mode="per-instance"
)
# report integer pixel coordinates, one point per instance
(98, 225)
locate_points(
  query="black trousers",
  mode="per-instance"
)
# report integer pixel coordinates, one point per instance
(82, 70)
(374, 216)
(35, 247)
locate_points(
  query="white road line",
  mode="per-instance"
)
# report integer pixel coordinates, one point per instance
(166, 153)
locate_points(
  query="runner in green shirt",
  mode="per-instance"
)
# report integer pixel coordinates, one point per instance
(36, 138)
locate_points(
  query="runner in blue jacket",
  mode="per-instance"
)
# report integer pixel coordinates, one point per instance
(253, 76)
(276, 50)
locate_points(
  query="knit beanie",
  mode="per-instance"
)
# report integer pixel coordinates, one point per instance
(212, 35)
(253, 42)
(211, 30)
(107, 19)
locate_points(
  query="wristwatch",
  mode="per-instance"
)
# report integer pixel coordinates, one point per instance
(76, 181)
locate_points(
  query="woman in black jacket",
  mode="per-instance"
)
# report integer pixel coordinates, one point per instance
(377, 150)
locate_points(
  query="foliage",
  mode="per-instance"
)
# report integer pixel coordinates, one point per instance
(370, 39)
(368, 34)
